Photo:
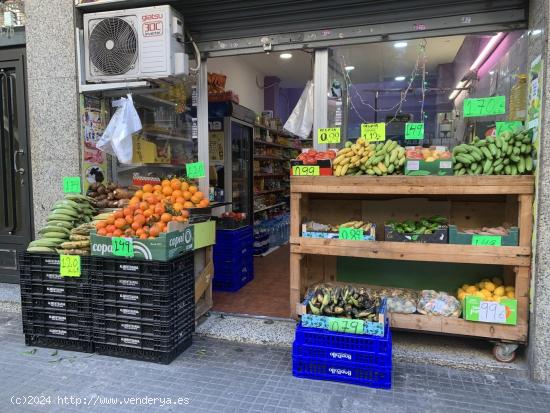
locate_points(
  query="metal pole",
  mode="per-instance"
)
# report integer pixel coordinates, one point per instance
(320, 90)
(202, 115)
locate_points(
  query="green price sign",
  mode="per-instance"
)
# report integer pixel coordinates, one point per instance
(328, 135)
(71, 184)
(414, 130)
(350, 234)
(485, 106)
(123, 247)
(345, 325)
(69, 265)
(373, 132)
(508, 126)
(195, 170)
(487, 240)
(305, 170)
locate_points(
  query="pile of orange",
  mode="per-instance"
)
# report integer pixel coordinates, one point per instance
(152, 208)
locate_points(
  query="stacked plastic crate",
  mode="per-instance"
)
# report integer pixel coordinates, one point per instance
(351, 358)
(233, 258)
(55, 310)
(143, 310)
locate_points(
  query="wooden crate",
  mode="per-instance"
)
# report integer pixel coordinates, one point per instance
(473, 200)
(204, 272)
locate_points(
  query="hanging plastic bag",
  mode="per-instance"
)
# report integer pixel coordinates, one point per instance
(300, 121)
(117, 138)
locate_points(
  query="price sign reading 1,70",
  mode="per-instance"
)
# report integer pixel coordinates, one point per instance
(485, 106)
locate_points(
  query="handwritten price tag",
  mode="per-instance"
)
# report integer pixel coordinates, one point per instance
(485, 106)
(328, 135)
(123, 247)
(491, 312)
(350, 234)
(344, 325)
(195, 170)
(508, 126)
(71, 184)
(69, 265)
(414, 130)
(487, 240)
(305, 170)
(373, 132)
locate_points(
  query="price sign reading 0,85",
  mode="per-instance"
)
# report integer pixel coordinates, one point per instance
(123, 247)
(373, 132)
(328, 135)
(485, 106)
(306, 170)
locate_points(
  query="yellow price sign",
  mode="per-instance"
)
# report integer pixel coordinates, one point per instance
(69, 265)
(328, 135)
(373, 132)
(305, 170)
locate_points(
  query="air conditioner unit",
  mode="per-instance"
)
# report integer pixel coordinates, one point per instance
(143, 43)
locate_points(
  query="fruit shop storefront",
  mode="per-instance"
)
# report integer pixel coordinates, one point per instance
(436, 125)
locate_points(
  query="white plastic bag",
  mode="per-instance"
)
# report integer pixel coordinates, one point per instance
(117, 138)
(300, 121)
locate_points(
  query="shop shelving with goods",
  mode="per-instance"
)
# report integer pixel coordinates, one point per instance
(475, 198)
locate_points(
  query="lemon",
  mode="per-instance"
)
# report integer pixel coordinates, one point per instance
(481, 285)
(497, 281)
(465, 287)
(462, 295)
(472, 289)
(490, 286)
(486, 292)
(499, 291)
(510, 294)
(510, 288)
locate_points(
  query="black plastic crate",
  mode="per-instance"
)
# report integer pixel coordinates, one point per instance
(123, 325)
(59, 343)
(125, 296)
(162, 357)
(52, 302)
(142, 313)
(158, 269)
(61, 289)
(142, 282)
(142, 341)
(56, 317)
(56, 330)
(33, 266)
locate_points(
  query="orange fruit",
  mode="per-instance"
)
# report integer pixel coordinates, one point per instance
(143, 236)
(158, 192)
(184, 186)
(134, 200)
(199, 194)
(139, 193)
(136, 226)
(157, 188)
(159, 209)
(118, 233)
(148, 188)
(185, 213)
(127, 211)
(148, 213)
(120, 222)
(175, 183)
(143, 206)
(195, 199)
(180, 219)
(177, 207)
(204, 203)
(110, 220)
(193, 189)
(165, 182)
(188, 204)
(100, 224)
(187, 195)
(154, 231)
(166, 217)
(167, 190)
(110, 228)
(139, 231)
(102, 231)
(129, 219)
(118, 214)
(177, 193)
(179, 200)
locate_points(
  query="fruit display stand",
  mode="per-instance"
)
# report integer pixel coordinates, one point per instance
(476, 198)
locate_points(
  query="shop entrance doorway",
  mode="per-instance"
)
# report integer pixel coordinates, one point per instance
(15, 199)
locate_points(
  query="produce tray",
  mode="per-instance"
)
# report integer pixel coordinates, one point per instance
(125, 295)
(165, 329)
(141, 313)
(152, 269)
(439, 236)
(457, 237)
(353, 373)
(37, 266)
(49, 303)
(61, 289)
(54, 330)
(162, 357)
(59, 343)
(142, 341)
(41, 316)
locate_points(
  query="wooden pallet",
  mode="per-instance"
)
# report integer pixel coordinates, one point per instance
(333, 199)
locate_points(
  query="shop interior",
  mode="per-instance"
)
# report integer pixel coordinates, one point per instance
(393, 82)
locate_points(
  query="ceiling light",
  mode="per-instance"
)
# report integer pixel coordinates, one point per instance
(400, 78)
(400, 45)
(536, 32)
(349, 68)
(492, 72)
(285, 56)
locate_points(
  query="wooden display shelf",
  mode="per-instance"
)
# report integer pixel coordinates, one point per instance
(412, 251)
(468, 196)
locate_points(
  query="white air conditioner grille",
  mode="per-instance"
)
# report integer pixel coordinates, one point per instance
(113, 46)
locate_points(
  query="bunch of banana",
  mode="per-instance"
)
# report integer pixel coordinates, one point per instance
(346, 302)
(388, 159)
(365, 226)
(79, 241)
(349, 159)
(508, 154)
(66, 214)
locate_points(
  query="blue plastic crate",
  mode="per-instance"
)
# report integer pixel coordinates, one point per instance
(353, 373)
(232, 279)
(235, 254)
(344, 341)
(231, 235)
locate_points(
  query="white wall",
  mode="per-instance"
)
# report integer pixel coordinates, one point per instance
(241, 79)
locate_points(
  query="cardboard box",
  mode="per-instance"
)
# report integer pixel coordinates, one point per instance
(325, 166)
(143, 150)
(367, 236)
(439, 236)
(457, 237)
(414, 167)
(503, 312)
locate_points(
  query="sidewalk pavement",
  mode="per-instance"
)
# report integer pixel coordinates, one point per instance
(221, 376)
